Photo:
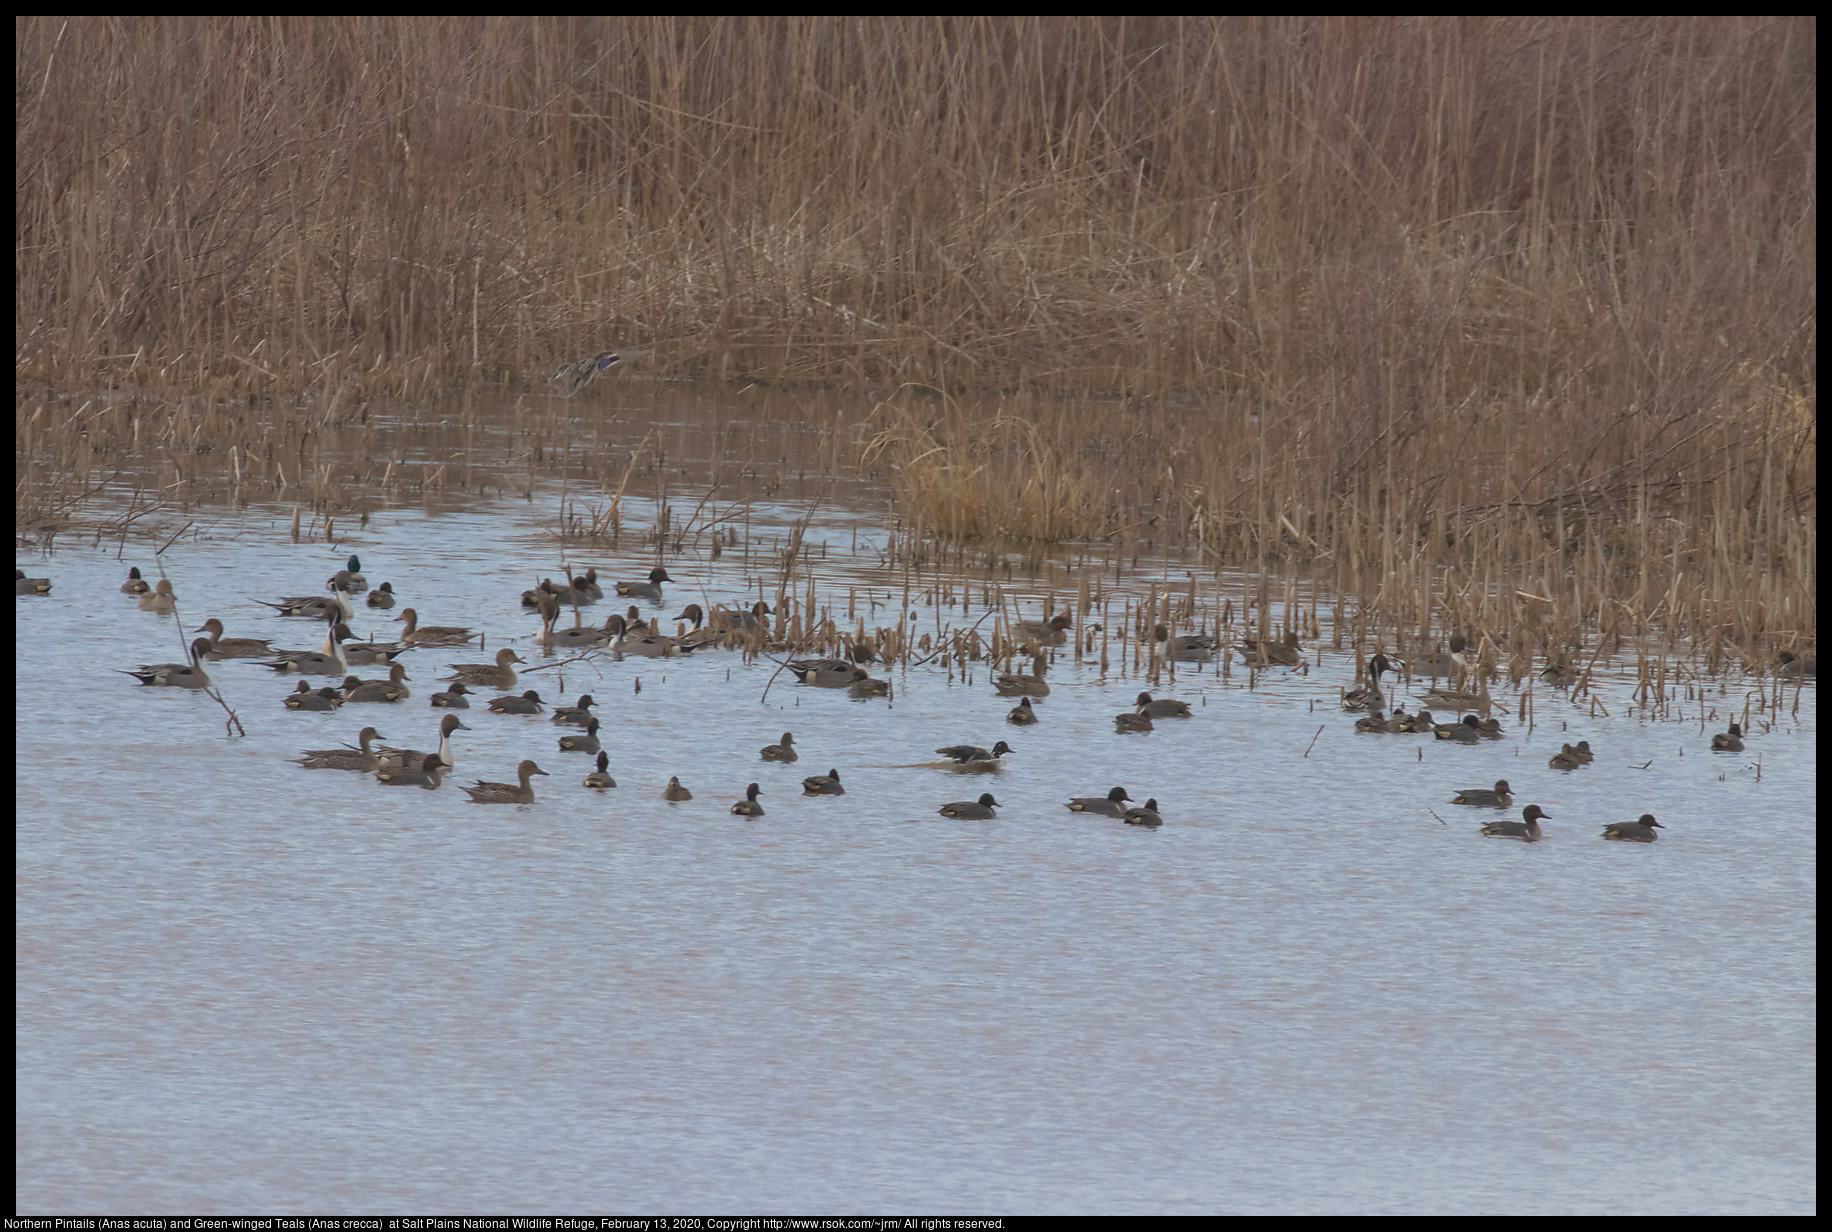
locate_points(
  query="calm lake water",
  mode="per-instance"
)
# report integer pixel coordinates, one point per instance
(247, 987)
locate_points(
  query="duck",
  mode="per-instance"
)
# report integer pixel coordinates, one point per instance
(1452, 699)
(1791, 666)
(748, 621)
(962, 754)
(178, 675)
(649, 591)
(587, 588)
(431, 635)
(1051, 632)
(1192, 647)
(363, 760)
(499, 675)
(652, 645)
(1368, 696)
(1378, 722)
(575, 716)
(1582, 752)
(390, 690)
(827, 784)
(1419, 724)
(1132, 721)
(427, 774)
(1527, 830)
(1113, 804)
(582, 742)
(1729, 742)
(134, 585)
(827, 673)
(866, 685)
(1032, 685)
(351, 575)
(303, 698)
(382, 596)
(365, 654)
(1641, 831)
(582, 637)
(782, 750)
(1565, 759)
(400, 758)
(1500, 797)
(576, 375)
(452, 698)
(507, 793)
(233, 647)
(971, 810)
(1023, 714)
(674, 793)
(1469, 731)
(1283, 653)
(601, 777)
(748, 807)
(313, 607)
(1147, 816)
(1163, 708)
(327, 661)
(162, 600)
(528, 703)
(1441, 664)
(1557, 675)
(23, 585)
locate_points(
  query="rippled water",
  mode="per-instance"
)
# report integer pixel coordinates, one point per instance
(245, 986)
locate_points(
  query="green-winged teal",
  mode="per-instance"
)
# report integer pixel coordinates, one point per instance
(1467, 731)
(1557, 675)
(507, 793)
(1729, 742)
(587, 587)
(1565, 759)
(748, 621)
(1147, 816)
(827, 673)
(399, 758)
(178, 675)
(1163, 708)
(23, 585)
(827, 784)
(1283, 653)
(1367, 696)
(362, 760)
(582, 742)
(971, 810)
(1451, 698)
(1377, 721)
(1019, 685)
(1132, 721)
(1051, 632)
(303, 698)
(575, 376)
(452, 698)
(1190, 648)
(499, 675)
(427, 774)
(1113, 804)
(783, 750)
(1482, 797)
(575, 716)
(1796, 667)
(1023, 714)
(749, 807)
(649, 591)
(866, 685)
(964, 753)
(601, 777)
(1527, 830)
(393, 689)
(162, 600)
(1641, 831)
(135, 584)
(674, 793)
(431, 635)
(233, 647)
(528, 703)
(382, 596)
(1583, 753)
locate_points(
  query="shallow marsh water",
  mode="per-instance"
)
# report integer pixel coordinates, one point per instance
(245, 986)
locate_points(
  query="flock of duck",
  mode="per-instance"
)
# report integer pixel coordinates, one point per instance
(628, 633)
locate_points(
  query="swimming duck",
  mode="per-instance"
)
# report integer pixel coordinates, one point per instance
(748, 621)
(382, 596)
(1729, 742)
(233, 647)
(1441, 664)
(390, 690)
(1023, 714)
(601, 777)
(1796, 667)
(971, 810)
(827, 673)
(451, 699)
(1469, 731)
(498, 676)
(1053, 632)
(1526, 831)
(748, 807)
(1368, 696)
(584, 637)
(1283, 653)
(352, 577)
(1377, 721)
(649, 591)
(327, 661)
(303, 698)
(507, 793)
(674, 793)
(1193, 647)
(313, 607)
(391, 759)
(178, 675)
(1582, 752)
(582, 742)
(431, 635)
(1147, 816)
(1484, 798)
(575, 376)
(1419, 724)
(162, 600)
(1452, 699)
(134, 585)
(1033, 685)
(575, 716)
(1132, 721)
(1557, 675)
(783, 750)
(964, 753)
(1113, 804)
(363, 760)
(587, 587)
(1565, 759)
(1163, 708)
(365, 654)
(23, 585)
(427, 774)
(652, 645)
(827, 784)
(528, 703)
(865, 685)
(1641, 831)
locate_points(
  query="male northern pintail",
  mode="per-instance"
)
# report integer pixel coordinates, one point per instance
(1641, 831)
(315, 607)
(303, 698)
(649, 591)
(574, 376)
(575, 716)
(1020, 685)
(431, 635)
(427, 774)
(652, 645)
(1367, 696)
(135, 584)
(364, 654)
(1439, 663)
(581, 742)
(452, 698)
(601, 777)
(827, 673)
(1132, 721)
(23, 585)
(1023, 714)
(178, 675)
(396, 758)
(1191, 647)
(580, 637)
(1147, 816)
(1527, 830)
(748, 621)
(499, 675)
(827, 784)
(393, 689)
(782, 750)
(1113, 804)
(674, 793)
(963, 753)
(382, 596)
(1482, 797)
(507, 793)
(162, 600)
(1728, 742)
(351, 575)
(1051, 632)
(363, 760)
(1163, 708)
(749, 807)
(528, 703)
(1283, 653)
(233, 647)
(971, 810)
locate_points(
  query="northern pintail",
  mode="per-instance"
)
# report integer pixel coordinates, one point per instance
(499, 676)
(582, 637)
(649, 591)
(314, 607)
(749, 807)
(575, 716)
(741, 621)
(23, 585)
(528, 703)
(1728, 742)
(1283, 653)
(1132, 721)
(1439, 663)
(1526, 831)
(364, 654)
(363, 760)
(427, 774)
(399, 758)
(1367, 696)
(1113, 804)
(1023, 714)
(1641, 831)
(135, 584)
(1500, 797)
(352, 577)
(964, 753)
(507, 793)
(304, 698)
(1019, 685)
(1163, 708)
(382, 596)
(162, 600)
(393, 689)
(652, 645)
(178, 675)
(783, 750)
(674, 793)
(971, 810)
(452, 698)
(1191, 647)
(601, 777)
(581, 742)
(1051, 632)
(431, 635)
(1147, 816)
(233, 647)
(574, 376)
(827, 784)
(1452, 699)
(826, 673)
